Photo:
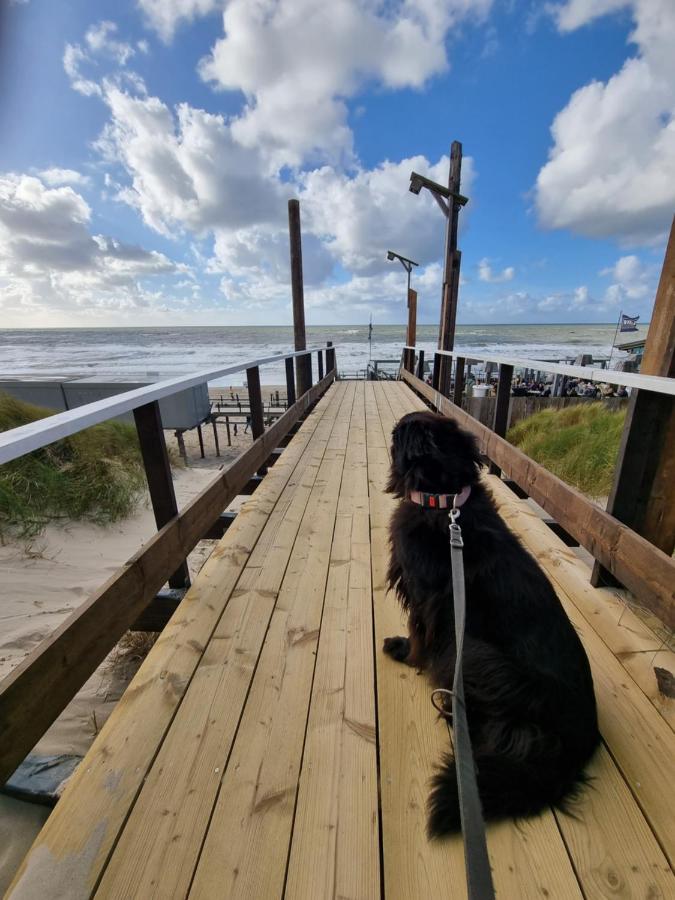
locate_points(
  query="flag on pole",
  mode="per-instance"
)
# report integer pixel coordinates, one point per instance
(628, 323)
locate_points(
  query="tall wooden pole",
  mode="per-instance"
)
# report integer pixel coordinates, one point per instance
(303, 377)
(411, 334)
(643, 494)
(453, 259)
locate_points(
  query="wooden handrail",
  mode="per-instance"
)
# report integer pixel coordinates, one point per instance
(644, 569)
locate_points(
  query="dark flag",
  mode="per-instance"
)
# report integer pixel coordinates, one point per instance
(628, 323)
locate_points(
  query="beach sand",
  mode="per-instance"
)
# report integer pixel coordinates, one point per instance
(44, 579)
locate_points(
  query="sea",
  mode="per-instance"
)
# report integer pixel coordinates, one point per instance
(147, 354)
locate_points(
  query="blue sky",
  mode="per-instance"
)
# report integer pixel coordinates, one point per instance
(150, 147)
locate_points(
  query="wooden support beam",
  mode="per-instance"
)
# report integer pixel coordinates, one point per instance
(411, 331)
(256, 405)
(435, 374)
(644, 569)
(38, 689)
(201, 440)
(420, 364)
(303, 364)
(148, 421)
(501, 416)
(290, 383)
(458, 389)
(319, 357)
(251, 485)
(330, 357)
(215, 436)
(642, 495)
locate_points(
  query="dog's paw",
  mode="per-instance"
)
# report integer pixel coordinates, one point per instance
(397, 647)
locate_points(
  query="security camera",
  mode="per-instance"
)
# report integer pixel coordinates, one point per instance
(416, 183)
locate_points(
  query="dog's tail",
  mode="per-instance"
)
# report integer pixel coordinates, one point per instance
(508, 788)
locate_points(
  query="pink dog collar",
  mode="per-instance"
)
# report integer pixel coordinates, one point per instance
(440, 501)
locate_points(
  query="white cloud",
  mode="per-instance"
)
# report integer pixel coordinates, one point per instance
(631, 281)
(611, 171)
(164, 16)
(298, 61)
(49, 260)
(55, 177)
(100, 44)
(362, 215)
(486, 273)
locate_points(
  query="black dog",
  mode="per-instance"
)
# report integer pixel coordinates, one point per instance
(528, 686)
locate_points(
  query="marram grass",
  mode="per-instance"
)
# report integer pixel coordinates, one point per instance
(579, 444)
(96, 475)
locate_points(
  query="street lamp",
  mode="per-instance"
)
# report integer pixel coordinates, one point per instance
(405, 262)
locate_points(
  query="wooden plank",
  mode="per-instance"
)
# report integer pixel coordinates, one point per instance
(643, 568)
(613, 850)
(528, 858)
(633, 643)
(458, 388)
(640, 741)
(335, 849)
(73, 846)
(40, 687)
(159, 846)
(246, 848)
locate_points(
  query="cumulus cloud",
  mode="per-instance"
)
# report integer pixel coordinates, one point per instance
(362, 214)
(50, 259)
(100, 42)
(297, 62)
(55, 177)
(631, 281)
(611, 171)
(486, 273)
(164, 16)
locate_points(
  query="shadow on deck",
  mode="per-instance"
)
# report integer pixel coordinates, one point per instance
(267, 748)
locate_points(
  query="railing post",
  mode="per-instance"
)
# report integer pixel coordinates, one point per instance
(158, 473)
(436, 371)
(303, 365)
(420, 365)
(290, 382)
(330, 357)
(319, 357)
(501, 416)
(256, 406)
(458, 390)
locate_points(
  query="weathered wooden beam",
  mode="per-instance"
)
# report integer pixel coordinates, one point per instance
(330, 357)
(148, 421)
(644, 569)
(451, 267)
(42, 684)
(501, 417)
(643, 495)
(303, 364)
(458, 389)
(420, 364)
(411, 331)
(319, 357)
(290, 383)
(436, 371)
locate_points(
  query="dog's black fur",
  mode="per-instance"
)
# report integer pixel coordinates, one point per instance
(528, 686)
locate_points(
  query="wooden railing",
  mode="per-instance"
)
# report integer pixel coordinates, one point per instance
(627, 556)
(34, 694)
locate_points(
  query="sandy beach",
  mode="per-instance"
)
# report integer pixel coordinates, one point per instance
(47, 577)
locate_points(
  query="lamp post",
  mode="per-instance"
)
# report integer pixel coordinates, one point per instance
(411, 333)
(450, 201)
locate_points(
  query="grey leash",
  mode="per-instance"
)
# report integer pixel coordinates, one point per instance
(478, 873)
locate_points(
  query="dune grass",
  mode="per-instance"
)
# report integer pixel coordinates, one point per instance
(96, 475)
(578, 444)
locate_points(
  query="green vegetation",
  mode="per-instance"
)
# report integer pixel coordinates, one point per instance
(96, 474)
(578, 444)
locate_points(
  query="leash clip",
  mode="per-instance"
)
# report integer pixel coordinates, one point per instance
(455, 530)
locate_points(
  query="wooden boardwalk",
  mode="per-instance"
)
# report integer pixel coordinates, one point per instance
(267, 748)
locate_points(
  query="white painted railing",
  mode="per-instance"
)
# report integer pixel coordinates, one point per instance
(18, 441)
(656, 383)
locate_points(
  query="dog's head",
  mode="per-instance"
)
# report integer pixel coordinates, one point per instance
(431, 453)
